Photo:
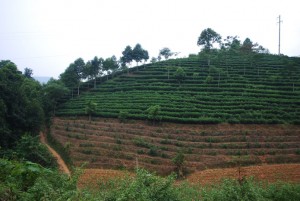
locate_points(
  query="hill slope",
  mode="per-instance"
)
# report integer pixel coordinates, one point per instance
(107, 143)
(257, 88)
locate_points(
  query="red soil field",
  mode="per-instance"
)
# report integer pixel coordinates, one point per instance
(108, 144)
(265, 173)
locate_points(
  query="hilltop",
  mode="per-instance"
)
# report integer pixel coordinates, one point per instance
(213, 88)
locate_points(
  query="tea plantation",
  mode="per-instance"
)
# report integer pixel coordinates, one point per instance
(215, 88)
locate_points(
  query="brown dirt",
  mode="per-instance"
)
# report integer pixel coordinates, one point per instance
(269, 173)
(93, 177)
(106, 143)
(61, 164)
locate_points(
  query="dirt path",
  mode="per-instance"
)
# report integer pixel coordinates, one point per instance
(61, 164)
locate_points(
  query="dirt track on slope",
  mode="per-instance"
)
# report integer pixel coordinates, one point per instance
(61, 164)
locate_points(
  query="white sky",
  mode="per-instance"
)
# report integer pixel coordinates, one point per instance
(48, 35)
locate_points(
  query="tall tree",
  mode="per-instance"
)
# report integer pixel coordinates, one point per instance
(127, 55)
(54, 90)
(20, 105)
(145, 56)
(207, 38)
(165, 52)
(247, 46)
(110, 65)
(232, 43)
(69, 78)
(93, 69)
(74, 74)
(90, 109)
(138, 53)
(180, 74)
(28, 72)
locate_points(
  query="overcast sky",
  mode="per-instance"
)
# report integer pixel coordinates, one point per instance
(48, 35)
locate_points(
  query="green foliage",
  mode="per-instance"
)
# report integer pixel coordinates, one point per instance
(110, 65)
(90, 108)
(93, 69)
(137, 53)
(178, 161)
(153, 113)
(145, 186)
(165, 52)
(180, 74)
(207, 38)
(29, 181)
(127, 55)
(28, 72)
(54, 90)
(123, 116)
(21, 106)
(234, 88)
(30, 149)
(74, 74)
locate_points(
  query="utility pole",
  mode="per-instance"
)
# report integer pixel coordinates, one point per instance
(279, 22)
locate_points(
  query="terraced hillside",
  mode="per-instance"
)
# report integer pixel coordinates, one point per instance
(107, 143)
(259, 88)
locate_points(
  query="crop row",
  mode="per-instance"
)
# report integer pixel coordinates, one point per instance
(107, 143)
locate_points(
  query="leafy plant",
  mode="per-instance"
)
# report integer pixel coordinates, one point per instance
(153, 113)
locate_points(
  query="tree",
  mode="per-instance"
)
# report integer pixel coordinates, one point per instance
(54, 90)
(153, 113)
(90, 109)
(165, 52)
(74, 74)
(20, 105)
(247, 46)
(93, 69)
(110, 65)
(30, 148)
(127, 55)
(68, 78)
(207, 38)
(145, 56)
(28, 72)
(178, 161)
(232, 43)
(137, 53)
(153, 60)
(180, 74)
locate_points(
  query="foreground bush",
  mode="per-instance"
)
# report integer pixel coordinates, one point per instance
(30, 181)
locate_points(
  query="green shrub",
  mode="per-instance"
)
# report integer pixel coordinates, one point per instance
(123, 116)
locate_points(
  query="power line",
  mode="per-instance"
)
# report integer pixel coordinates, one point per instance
(279, 22)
